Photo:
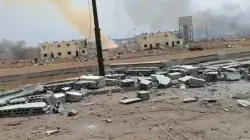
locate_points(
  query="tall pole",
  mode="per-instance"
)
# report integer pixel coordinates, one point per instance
(98, 40)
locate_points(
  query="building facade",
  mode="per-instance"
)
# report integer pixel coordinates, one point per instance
(157, 40)
(64, 49)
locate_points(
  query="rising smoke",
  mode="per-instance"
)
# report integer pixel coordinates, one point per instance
(17, 50)
(157, 15)
(77, 16)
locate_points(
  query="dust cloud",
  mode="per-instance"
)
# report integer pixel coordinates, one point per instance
(79, 17)
(229, 18)
(17, 50)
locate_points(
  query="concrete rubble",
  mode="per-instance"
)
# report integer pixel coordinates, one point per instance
(145, 81)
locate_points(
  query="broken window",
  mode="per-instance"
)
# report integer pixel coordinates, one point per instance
(178, 42)
(59, 54)
(68, 44)
(151, 46)
(157, 44)
(144, 37)
(145, 45)
(58, 46)
(83, 51)
(166, 43)
(45, 55)
(69, 53)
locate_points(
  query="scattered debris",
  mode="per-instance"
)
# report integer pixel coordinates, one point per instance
(144, 95)
(243, 103)
(196, 82)
(189, 100)
(163, 81)
(108, 120)
(73, 97)
(72, 112)
(182, 86)
(48, 133)
(209, 100)
(243, 95)
(14, 123)
(130, 100)
(166, 132)
(145, 84)
(232, 76)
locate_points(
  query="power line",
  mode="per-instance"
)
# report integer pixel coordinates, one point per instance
(90, 19)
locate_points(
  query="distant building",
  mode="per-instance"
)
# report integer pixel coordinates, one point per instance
(160, 39)
(64, 49)
(186, 27)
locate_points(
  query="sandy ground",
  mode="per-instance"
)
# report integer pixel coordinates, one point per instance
(181, 55)
(224, 120)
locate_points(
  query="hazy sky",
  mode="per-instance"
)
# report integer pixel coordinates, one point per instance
(46, 23)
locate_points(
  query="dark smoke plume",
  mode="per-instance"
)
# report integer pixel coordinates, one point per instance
(17, 50)
(157, 15)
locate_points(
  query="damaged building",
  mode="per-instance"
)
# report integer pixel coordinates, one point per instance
(63, 49)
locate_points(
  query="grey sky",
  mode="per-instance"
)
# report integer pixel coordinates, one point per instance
(45, 22)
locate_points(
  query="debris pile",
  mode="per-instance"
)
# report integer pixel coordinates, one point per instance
(50, 97)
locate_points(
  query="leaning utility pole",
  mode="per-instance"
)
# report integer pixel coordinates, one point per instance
(98, 40)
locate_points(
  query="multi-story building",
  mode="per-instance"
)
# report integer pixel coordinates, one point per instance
(64, 49)
(160, 39)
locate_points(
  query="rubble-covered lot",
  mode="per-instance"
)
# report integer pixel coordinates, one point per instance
(203, 101)
(102, 117)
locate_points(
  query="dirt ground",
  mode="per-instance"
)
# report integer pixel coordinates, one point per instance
(224, 120)
(178, 55)
(56, 66)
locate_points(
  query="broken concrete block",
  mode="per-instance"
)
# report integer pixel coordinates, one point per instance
(130, 100)
(60, 97)
(243, 103)
(243, 95)
(73, 97)
(189, 100)
(27, 109)
(174, 76)
(98, 80)
(162, 73)
(21, 100)
(116, 76)
(145, 84)
(163, 81)
(111, 82)
(48, 133)
(182, 86)
(232, 76)
(209, 100)
(85, 85)
(184, 79)
(196, 82)
(144, 95)
(211, 76)
(65, 89)
(72, 112)
(128, 83)
(49, 99)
